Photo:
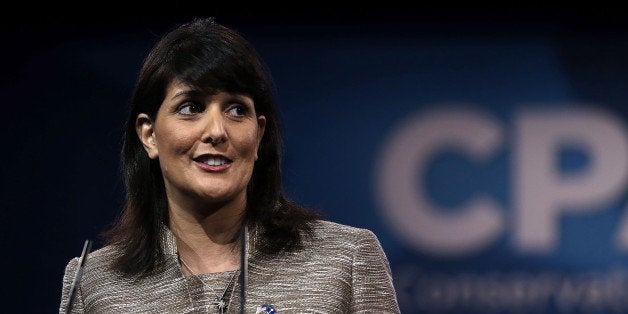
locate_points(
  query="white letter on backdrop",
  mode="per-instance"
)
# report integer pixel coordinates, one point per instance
(402, 194)
(542, 193)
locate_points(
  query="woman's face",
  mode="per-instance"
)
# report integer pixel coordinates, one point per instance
(206, 145)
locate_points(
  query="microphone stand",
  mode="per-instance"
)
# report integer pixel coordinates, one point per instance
(79, 273)
(244, 263)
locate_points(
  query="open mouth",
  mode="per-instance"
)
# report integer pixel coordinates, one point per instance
(213, 160)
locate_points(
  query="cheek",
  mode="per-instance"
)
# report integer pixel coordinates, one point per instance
(247, 145)
(173, 142)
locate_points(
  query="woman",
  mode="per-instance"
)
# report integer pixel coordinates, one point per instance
(206, 227)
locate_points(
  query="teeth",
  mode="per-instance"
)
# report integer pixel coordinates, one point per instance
(215, 161)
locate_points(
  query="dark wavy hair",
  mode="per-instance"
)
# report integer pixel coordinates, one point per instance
(212, 58)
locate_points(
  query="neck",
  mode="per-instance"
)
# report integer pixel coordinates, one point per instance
(208, 243)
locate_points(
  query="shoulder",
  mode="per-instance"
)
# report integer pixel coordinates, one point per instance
(104, 252)
(328, 233)
(104, 255)
(334, 229)
(101, 259)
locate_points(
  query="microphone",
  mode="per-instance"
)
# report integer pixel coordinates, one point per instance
(79, 273)
(244, 264)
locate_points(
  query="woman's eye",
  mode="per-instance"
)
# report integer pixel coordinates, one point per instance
(190, 108)
(237, 111)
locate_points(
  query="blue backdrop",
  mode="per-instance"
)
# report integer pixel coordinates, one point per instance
(491, 159)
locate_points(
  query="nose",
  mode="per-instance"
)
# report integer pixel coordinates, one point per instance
(214, 132)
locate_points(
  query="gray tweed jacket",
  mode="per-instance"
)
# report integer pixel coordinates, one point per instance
(341, 269)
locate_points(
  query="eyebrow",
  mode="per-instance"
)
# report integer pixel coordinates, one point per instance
(188, 93)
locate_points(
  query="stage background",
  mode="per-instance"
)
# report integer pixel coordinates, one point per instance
(487, 149)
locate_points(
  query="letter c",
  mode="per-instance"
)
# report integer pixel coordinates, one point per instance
(408, 210)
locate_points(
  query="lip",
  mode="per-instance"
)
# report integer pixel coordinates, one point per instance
(200, 160)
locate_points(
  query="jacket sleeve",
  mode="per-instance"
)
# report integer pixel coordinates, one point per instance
(68, 277)
(372, 284)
